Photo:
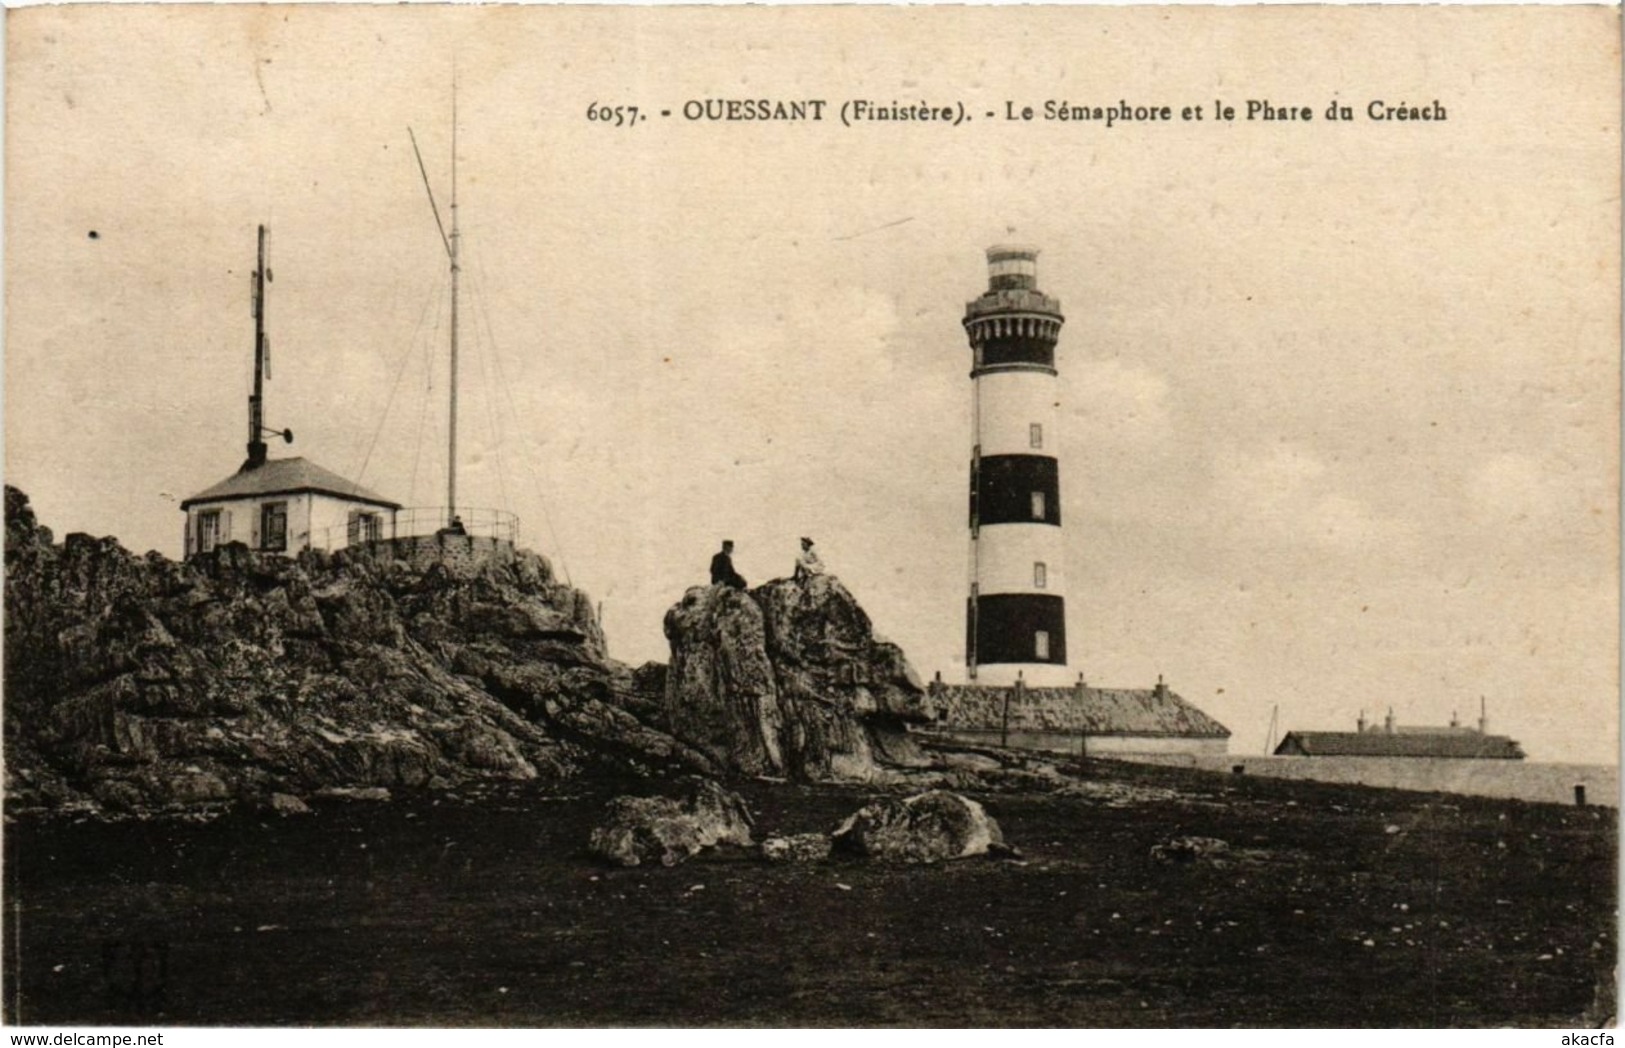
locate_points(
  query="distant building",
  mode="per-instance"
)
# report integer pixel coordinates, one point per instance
(1454, 740)
(1077, 719)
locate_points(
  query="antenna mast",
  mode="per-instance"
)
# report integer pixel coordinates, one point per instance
(256, 410)
(450, 242)
(451, 452)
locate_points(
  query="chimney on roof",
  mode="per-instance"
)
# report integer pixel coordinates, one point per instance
(1388, 721)
(1161, 690)
(1455, 719)
(1359, 725)
(1483, 717)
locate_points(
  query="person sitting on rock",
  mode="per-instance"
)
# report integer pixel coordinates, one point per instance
(722, 568)
(808, 564)
(454, 528)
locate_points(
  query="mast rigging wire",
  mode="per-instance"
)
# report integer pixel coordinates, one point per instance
(530, 465)
(426, 418)
(491, 418)
(400, 371)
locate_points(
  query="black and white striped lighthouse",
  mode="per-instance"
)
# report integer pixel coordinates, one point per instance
(1016, 613)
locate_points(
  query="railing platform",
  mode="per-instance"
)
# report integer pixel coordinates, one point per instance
(422, 522)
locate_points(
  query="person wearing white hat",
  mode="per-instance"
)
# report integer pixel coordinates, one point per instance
(808, 564)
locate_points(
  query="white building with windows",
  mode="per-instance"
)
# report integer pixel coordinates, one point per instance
(281, 505)
(285, 506)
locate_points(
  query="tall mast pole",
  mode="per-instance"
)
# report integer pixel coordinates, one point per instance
(256, 413)
(451, 244)
(451, 453)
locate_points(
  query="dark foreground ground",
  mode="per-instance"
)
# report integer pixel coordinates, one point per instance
(1337, 906)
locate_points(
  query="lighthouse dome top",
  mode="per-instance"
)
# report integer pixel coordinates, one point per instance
(1000, 252)
(1012, 267)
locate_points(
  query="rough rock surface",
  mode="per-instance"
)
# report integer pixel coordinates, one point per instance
(929, 827)
(136, 683)
(287, 804)
(1190, 850)
(788, 679)
(797, 847)
(670, 830)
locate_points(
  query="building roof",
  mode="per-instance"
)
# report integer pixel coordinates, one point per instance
(1442, 743)
(1093, 711)
(288, 476)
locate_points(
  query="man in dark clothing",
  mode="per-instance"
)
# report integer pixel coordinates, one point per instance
(722, 568)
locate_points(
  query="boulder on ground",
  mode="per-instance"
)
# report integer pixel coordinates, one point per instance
(670, 830)
(374, 794)
(797, 847)
(1190, 849)
(926, 828)
(287, 804)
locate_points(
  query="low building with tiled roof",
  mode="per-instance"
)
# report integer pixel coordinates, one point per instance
(1467, 744)
(1453, 741)
(1082, 718)
(284, 506)
(287, 477)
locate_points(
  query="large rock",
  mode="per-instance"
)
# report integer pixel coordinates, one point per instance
(670, 830)
(788, 679)
(797, 847)
(721, 695)
(1189, 850)
(930, 827)
(136, 683)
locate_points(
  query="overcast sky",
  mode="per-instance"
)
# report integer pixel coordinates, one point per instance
(1340, 401)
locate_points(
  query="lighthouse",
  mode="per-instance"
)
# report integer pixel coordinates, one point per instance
(1016, 611)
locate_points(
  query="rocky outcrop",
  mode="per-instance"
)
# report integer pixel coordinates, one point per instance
(721, 695)
(930, 827)
(670, 830)
(138, 683)
(788, 679)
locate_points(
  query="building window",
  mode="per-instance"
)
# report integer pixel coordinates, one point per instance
(1041, 644)
(1040, 575)
(208, 530)
(1038, 505)
(274, 526)
(1035, 434)
(364, 527)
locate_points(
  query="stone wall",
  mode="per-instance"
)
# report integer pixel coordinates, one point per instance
(1523, 780)
(1093, 745)
(461, 554)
